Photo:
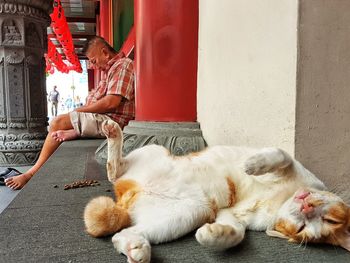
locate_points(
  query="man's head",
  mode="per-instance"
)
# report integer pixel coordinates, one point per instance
(54, 87)
(99, 52)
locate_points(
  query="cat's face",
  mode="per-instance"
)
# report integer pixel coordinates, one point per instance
(313, 216)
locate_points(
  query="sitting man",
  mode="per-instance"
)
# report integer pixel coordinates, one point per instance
(112, 99)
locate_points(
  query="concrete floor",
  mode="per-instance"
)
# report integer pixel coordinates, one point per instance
(44, 223)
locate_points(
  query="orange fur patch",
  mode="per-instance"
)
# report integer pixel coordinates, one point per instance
(338, 217)
(126, 192)
(232, 192)
(315, 202)
(215, 209)
(286, 228)
(194, 154)
(258, 204)
(338, 213)
(102, 217)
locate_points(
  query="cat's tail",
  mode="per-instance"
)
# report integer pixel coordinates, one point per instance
(103, 217)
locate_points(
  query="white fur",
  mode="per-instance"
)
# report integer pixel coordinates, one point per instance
(178, 193)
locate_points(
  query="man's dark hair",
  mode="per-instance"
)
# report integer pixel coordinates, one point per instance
(95, 40)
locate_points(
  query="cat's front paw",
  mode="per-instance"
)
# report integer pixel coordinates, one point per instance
(257, 165)
(268, 160)
(217, 236)
(111, 130)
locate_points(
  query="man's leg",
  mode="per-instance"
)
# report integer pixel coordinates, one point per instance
(56, 108)
(62, 122)
(88, 125)
(65, 135)
(52, 113)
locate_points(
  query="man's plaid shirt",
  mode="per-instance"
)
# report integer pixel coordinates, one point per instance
(117, 79)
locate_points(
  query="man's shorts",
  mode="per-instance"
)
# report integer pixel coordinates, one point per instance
(88, 124)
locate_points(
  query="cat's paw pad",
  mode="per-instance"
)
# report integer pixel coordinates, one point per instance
(257, 165)
(139, 252)
(216, 236)
(111, 130)
(135, 247)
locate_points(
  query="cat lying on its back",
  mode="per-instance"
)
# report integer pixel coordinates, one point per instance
(222, 191)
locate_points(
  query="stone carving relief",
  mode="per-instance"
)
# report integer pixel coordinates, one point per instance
(18, 123)
(33, 69)
(22, 149)
(175, 140)
(38, 122)
(18, 158)
(2, 93)
(32, 36)
(15, 76)
(21, 141)
(14, 58)
(3, 124)
(10, 33)
(26, 8)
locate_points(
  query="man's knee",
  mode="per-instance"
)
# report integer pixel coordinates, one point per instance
(59, 123)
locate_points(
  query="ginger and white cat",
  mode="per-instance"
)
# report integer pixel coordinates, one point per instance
(222, 191)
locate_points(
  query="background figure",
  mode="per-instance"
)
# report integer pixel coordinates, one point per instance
(69, 103)
(53, 99)
(77, 102)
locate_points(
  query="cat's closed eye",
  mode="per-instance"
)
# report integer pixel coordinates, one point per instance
(301, 229)
(330, 221)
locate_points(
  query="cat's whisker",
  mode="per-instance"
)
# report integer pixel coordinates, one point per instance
(305, 243)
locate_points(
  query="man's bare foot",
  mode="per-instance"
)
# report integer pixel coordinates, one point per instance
(17, 182)
(64, 135)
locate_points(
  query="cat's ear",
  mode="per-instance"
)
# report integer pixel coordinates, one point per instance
(274, 233)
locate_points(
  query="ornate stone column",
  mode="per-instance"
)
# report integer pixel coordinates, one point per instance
(23, 105)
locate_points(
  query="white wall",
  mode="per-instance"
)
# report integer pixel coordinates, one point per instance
(247, 72)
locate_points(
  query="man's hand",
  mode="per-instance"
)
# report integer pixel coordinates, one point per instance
(107, 104)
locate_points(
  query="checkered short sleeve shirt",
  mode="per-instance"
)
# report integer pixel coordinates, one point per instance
(118, 79)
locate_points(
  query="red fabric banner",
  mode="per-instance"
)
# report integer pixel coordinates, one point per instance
(60, 28)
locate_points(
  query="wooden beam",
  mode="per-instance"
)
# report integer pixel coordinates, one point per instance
(81, 20)
(73, 36)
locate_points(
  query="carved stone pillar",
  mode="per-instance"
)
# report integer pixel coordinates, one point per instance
(23, 106)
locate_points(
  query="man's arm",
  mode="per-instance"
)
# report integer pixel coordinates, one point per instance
(107, 104)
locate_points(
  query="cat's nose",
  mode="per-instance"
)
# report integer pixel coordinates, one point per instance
(307, 208)
(302, 195)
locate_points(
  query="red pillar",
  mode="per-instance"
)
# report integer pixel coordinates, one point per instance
(166, 55)
(105, 23)
(91, 79)
(103, 29)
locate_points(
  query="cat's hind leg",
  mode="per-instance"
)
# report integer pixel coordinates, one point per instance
(267, 160)
(133, 245)
(160, 219)
(115, 164)
(226, 232)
